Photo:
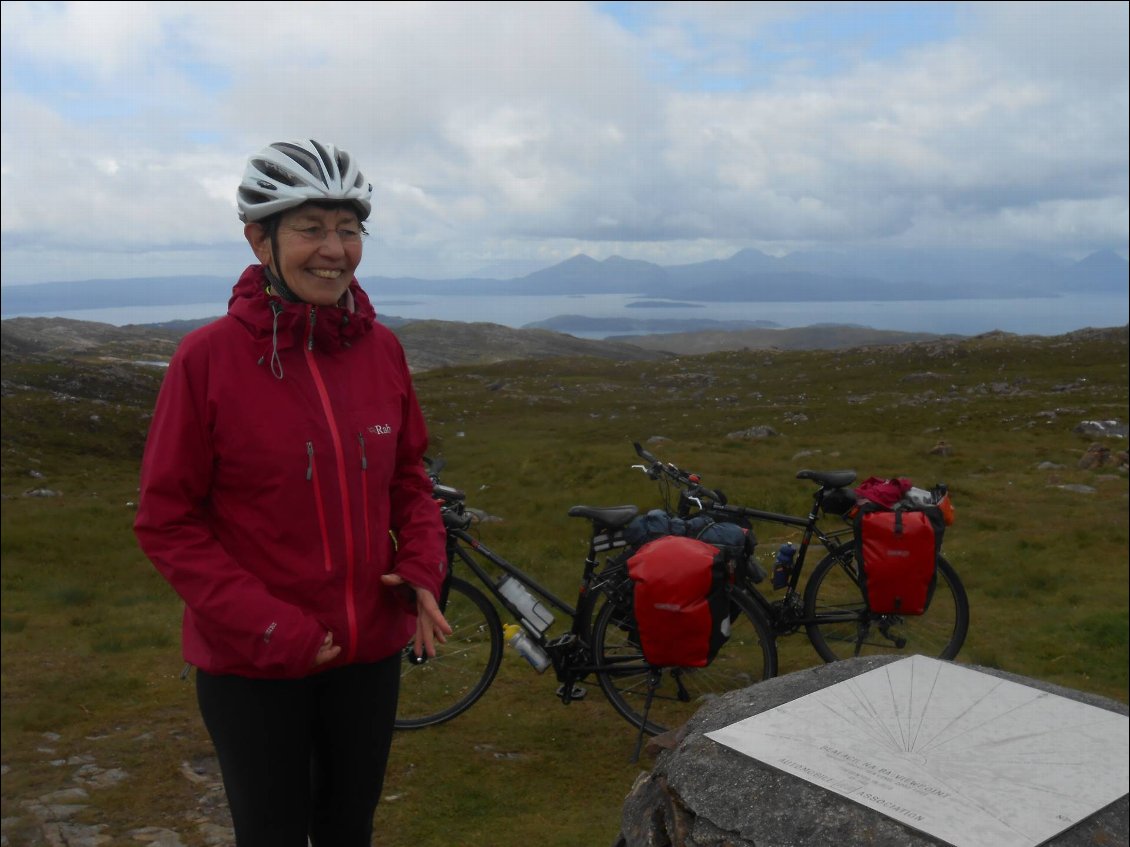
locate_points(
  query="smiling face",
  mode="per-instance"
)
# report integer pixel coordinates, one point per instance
(319, 249)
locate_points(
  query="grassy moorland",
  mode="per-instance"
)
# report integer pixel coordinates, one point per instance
(91, 663)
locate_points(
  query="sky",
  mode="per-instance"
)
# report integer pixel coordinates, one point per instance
(505, 137)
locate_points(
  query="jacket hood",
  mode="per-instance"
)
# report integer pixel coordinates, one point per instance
(278, 324)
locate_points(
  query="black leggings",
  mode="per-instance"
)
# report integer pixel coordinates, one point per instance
(303, 757)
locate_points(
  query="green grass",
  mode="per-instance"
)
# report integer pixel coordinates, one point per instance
(91, 659)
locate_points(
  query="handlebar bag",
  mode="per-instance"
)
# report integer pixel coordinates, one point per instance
(680, 600)
(652, 525)
(736, 540)
(898, 552)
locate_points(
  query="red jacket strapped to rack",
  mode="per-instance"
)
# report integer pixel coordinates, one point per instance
(284, 456)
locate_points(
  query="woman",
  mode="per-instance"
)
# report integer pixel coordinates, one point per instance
(284, 497)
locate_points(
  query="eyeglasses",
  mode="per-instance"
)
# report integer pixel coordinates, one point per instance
(317, 234)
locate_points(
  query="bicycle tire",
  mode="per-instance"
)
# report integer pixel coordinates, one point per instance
(834, 590)
(748, 656)
(446, 685)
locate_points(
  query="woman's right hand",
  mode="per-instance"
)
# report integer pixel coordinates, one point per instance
(327, 652)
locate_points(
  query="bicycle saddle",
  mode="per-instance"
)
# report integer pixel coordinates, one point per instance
(829, 479)
(610, 516)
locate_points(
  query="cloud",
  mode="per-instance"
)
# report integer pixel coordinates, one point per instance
(668, 131)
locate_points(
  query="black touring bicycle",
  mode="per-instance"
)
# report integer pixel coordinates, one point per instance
(602, 639)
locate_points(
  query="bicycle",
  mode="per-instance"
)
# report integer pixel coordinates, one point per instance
(832, 607)
(601, 641)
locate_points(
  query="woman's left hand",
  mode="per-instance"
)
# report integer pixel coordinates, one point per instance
(431, 625)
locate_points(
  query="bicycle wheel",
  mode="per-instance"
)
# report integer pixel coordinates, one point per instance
(844, 627)
(749, 656)
(439, 688)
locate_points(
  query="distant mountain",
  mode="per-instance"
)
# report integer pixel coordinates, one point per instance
(750, 275)
(585, 275)
(508, 269)
(1103, 271)
(747, 276)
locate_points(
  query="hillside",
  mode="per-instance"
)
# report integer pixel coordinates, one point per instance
(102, 738)
(433, 344)
(428, 344)
(830, 337)
(63, 336)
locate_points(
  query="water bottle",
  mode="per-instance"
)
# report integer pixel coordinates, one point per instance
(531, 651)
(783, 565)
(535, 614)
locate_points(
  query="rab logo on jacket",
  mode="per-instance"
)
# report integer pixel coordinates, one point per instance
(380, 429)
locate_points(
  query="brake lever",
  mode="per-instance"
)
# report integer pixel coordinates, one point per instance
(701, 492)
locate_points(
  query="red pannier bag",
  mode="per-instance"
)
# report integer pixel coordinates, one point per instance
(680, 600)
(897, 551)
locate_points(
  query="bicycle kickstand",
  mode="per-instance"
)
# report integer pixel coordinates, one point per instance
(652, 684)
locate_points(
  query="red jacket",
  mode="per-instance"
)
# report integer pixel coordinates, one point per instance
(283, 459)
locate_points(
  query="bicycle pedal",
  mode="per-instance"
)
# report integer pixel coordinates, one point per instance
(578, 693)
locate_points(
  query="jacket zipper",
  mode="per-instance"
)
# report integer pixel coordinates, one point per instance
(343, 488)
(319, 505)
(365, 499)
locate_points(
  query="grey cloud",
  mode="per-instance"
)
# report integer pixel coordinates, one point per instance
(546, 129)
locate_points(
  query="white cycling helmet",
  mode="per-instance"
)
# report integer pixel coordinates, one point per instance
(284, 175)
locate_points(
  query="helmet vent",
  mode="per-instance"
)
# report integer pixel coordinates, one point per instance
(274, 172)
(253, 198)
(327, 162)
(302, 158)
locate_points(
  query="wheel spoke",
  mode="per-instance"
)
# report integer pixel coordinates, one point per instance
(747, 657)
(845, 628)
(448, 683)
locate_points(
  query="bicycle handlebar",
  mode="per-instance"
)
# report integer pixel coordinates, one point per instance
(692, 489)
(446, 493)
(450, 499)
(690, 482)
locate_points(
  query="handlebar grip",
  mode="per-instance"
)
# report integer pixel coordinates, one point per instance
(644, 454)
(446, 492)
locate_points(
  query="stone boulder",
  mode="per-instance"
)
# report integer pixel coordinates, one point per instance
(704, 794)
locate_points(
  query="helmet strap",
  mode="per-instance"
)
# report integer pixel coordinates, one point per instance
(275, 285)
(275, 282)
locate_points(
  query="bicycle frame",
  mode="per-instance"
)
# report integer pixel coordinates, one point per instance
(570, 664)
(458, 551)
(785, 614)
(602, 639)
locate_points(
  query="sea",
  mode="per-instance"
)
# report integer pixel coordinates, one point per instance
(1032, 316)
